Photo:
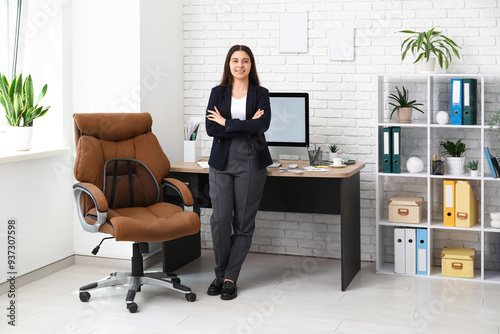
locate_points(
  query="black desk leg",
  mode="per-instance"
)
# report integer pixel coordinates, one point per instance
(350, 230)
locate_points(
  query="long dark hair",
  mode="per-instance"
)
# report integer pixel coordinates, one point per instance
(227, 77)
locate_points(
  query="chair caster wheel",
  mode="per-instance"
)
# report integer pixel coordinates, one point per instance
(176, 280)
(190, 297)
(132, 307)
(84, 296)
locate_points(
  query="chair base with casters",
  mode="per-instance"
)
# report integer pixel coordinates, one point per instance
(136, 279)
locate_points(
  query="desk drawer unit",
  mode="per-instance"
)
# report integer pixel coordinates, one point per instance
(405, 209)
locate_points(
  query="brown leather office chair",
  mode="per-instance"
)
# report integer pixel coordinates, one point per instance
(122, 172)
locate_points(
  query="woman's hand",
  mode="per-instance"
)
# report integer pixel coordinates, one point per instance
(258, 113)
(216, 117)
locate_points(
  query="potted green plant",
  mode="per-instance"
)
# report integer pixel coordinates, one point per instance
(17, 98)
(423, 44)
(455, 162)
(473, 165)
(403, 106)
(333, 152)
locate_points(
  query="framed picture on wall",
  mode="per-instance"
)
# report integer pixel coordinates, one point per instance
(293, 32)
(342, 44)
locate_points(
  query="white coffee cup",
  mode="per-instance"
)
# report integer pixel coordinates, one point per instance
(337, 162)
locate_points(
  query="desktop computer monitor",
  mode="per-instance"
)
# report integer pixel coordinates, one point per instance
(288, 132)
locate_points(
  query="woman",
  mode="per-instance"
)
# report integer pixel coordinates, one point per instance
(238, 114)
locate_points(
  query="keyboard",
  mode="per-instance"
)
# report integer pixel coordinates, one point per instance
(275, 165)
(203, 164)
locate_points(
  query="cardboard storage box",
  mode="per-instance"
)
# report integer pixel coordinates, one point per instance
(405, 209)
(458, 262)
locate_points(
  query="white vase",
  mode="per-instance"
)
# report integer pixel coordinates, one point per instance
(19, 138)
(455, 165)
(427, 67)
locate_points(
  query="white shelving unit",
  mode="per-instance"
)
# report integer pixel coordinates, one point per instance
(421, 138)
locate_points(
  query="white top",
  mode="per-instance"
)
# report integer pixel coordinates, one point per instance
(239, 108)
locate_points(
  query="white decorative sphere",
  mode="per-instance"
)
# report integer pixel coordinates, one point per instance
(414, 165)
(442, 117)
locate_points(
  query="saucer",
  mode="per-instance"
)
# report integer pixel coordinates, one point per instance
(341, 166)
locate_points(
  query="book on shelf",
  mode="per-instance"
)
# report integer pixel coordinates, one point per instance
(490, 162)
(495, 165)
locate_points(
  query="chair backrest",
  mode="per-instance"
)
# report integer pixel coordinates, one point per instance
(118, 153)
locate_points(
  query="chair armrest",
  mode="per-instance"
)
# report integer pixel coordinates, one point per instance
(182, 190)
(100, 202)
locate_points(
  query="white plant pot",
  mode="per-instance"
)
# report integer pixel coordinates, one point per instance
(332, 156)
(427, 67)
(455, 165)
(474, 173)
(19, 138)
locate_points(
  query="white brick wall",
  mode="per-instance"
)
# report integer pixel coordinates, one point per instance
(342, 93)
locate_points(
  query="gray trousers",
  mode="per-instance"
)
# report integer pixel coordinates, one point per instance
(235, 193)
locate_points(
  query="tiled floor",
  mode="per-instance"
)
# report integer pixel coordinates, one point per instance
(277, 294)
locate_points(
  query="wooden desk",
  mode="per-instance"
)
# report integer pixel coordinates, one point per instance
(335, 191)
(347, 171)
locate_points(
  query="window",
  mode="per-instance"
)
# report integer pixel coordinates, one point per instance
(9, 32)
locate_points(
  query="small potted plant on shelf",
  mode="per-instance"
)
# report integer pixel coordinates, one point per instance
(403, 106)
(423, 44)
(17, 98)
(455, 162)
(472, 165)
(333, 152)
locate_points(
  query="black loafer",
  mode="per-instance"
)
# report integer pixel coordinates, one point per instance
(215, 288)
(229, 290)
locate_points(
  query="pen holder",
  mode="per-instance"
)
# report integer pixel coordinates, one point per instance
(315, 157)
(438, 167)
(191, 151)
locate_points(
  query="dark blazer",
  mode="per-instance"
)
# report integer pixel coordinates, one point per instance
(253, 129)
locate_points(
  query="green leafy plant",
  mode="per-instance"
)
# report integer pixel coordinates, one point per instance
(494, 124)
(401, 100)
(453, 149)
(423, 44)
(472, 165)
(333, 148)
(17, 98)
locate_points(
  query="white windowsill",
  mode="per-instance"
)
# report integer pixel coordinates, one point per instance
(7, 155)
